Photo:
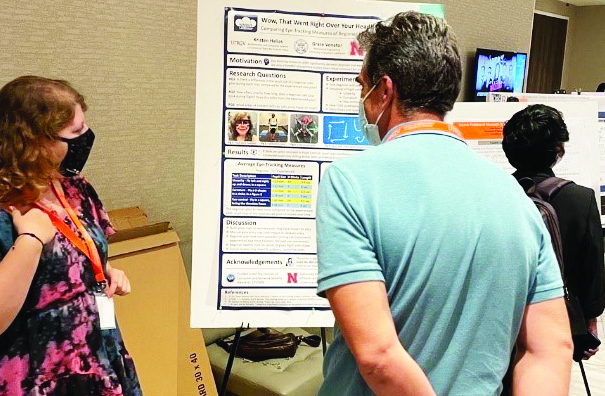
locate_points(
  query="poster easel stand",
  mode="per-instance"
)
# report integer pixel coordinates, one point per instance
(238, 333)
(323, 340)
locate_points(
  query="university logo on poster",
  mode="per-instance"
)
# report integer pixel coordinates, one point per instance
(245, 23)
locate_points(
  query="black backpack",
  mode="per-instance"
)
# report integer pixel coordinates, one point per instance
(541, 193)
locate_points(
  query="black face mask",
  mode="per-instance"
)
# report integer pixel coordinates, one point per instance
(78, 150)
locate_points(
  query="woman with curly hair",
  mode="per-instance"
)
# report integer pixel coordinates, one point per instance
(241, 128)
(55, 282)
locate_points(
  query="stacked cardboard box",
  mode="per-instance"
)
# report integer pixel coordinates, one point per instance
(170, 357)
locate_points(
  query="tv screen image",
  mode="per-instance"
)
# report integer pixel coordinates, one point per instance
(499, 71)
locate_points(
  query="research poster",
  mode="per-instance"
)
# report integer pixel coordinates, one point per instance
(277, 102)
(599, 98)
(481, 125)
(290, 108)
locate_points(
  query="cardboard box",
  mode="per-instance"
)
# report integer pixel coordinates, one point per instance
(170, 357)
(126, 218)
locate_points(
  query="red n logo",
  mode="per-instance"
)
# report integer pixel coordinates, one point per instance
(355, 48)
(292, 277)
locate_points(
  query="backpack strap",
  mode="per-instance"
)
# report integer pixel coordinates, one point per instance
(550, 186)
(549, 215)
(542, 193)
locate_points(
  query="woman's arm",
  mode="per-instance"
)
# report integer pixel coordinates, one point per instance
(19, 265)
(17, 270)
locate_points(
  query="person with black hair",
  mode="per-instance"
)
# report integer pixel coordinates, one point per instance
(601, 87)
(534, 142)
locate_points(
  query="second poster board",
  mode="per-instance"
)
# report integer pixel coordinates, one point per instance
(549, 99)
(482, 123)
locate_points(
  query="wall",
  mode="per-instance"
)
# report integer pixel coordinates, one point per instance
(587, 67)
(559, 8)
(556, 7)
(492, 24)
(135, 63)
(585, 49)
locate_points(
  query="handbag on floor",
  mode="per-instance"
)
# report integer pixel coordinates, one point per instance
(265, 343)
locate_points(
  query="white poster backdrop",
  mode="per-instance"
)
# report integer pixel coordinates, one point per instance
(599, 98)
(290, 67)
(532, 97)
(580, 163)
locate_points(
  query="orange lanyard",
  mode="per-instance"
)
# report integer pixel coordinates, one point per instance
(426, 127)
(84, 243)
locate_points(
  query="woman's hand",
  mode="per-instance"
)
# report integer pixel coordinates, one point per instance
(118, 282)
(29, 219)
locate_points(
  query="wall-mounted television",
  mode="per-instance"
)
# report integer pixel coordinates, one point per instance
(498, 71)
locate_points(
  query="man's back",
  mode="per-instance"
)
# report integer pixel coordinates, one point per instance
(457, 243)
(581, 235)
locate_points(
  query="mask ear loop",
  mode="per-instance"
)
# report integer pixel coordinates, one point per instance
(380, 115)
(366, 96)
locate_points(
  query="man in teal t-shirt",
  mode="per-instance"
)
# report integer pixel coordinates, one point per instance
(434, 261)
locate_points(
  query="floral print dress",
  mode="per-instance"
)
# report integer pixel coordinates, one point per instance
(55, 345)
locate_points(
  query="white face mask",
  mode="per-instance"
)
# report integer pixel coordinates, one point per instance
(560, 154)
(370, 131)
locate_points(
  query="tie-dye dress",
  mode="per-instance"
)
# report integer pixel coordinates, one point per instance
(55, 346)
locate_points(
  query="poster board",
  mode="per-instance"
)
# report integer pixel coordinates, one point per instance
(531, 97)
(482, 123)
(599, 98)
(276, 102)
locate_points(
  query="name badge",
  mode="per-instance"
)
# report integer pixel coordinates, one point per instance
(106, 309)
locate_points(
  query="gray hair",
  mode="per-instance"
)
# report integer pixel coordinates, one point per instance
(419, 53)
